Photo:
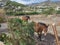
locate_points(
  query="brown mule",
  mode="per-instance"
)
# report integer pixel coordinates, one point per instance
(25, 18)
(39, 28)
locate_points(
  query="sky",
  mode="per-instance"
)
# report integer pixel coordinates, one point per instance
(30, 1)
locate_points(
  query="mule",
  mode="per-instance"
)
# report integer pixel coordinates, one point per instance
(25, 18)
(40, 28)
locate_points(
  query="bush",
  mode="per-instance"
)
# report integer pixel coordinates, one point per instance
(10, 13)
(22, 32)
(32, 13)
(26, 13)
(19, 13)
(49, 11)
(58, 12)
(2, 20)
(7, 40)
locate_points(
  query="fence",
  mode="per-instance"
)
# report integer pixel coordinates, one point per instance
(56, 33)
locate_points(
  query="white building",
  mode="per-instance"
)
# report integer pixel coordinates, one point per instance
(57, 8)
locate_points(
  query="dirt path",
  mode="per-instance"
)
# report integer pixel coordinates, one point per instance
(3, 27)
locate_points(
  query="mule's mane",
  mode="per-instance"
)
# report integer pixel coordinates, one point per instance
(43, 24)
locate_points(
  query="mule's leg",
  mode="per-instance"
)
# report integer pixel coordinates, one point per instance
(40, 34)
(45, 32)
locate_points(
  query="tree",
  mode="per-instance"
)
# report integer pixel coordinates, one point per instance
(49, 11)
(58, 12)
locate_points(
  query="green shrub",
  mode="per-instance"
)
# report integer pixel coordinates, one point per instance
(26, 13)
(48, 11)
(10, 13)
(2, 37)
(22, 32)
(2, 20)
(19, 13)
(7, 40)
(58, 12)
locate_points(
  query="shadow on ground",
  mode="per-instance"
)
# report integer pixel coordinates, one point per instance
(49, 40)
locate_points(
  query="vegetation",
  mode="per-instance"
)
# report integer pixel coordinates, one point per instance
(13, 3)
(22, 33)
(49, 11)
(58, 12)
(2, 16)
(15, 8)
(6, 39)
(12, 7)
(26, 13)
(2, 20)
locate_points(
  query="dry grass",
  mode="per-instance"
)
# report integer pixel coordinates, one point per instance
(2, 11)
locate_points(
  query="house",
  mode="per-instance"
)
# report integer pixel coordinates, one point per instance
(57, 8)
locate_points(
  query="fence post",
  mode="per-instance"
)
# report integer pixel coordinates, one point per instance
(55, 33)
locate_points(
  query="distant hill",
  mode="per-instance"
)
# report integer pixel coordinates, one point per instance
(13, 3)
(8, 3)
(13, 7)
(46, 3)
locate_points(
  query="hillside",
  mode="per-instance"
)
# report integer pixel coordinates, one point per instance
(13, 3)
(6, 3)
(12, 7)
(46, 3)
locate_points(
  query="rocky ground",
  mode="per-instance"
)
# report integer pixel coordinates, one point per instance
(50, 38)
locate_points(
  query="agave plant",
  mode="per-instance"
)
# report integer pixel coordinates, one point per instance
(7, 40)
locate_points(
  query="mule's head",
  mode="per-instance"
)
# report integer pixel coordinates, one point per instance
(25, 18)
